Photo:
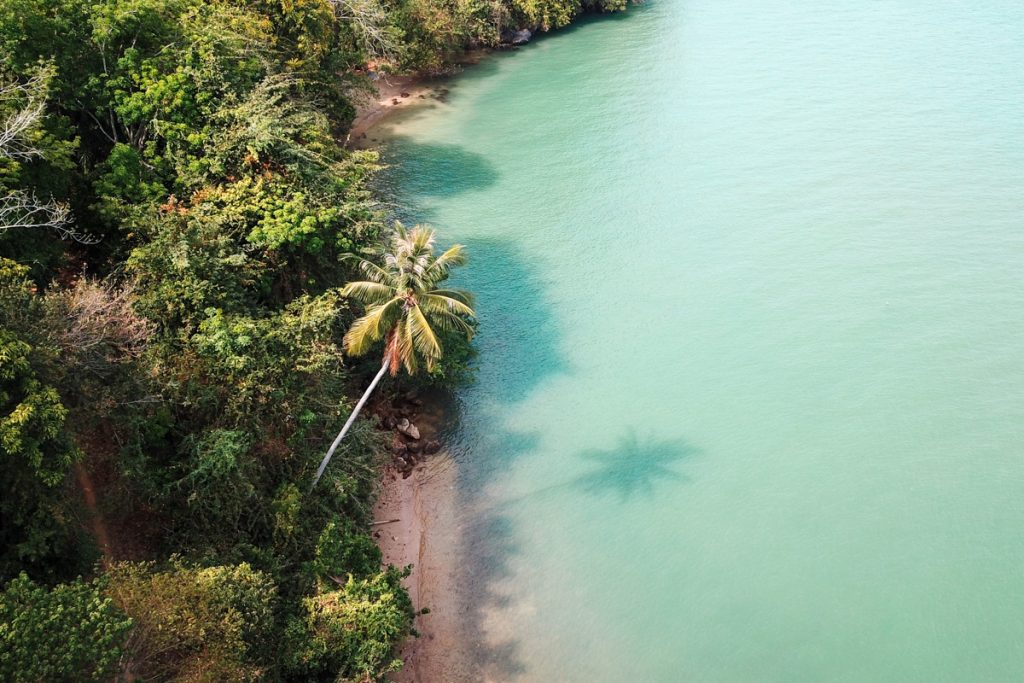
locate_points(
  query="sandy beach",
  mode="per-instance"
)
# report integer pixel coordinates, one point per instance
(418, 524)
(424, 504)
(397, 93)
(394, 93)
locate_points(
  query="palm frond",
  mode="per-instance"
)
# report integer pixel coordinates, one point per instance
(368, 292)
(376, 273)
(449, 322)
(424, 338)
(422, 238)
(403, 307)
(457, 294)
(405, 347)
(372, 327)
(442, 303)
(442, 265)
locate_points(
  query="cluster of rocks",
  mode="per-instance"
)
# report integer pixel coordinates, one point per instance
(407, 443)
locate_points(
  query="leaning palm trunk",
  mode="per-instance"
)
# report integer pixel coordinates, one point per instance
(348, 423)
(404, 304)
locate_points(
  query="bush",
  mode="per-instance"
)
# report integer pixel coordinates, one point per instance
(195, 624)
(349, 634)
(69, 633)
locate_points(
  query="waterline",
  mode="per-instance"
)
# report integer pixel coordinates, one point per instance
(750, 397)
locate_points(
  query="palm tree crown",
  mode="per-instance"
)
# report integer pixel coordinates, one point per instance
(405, 305)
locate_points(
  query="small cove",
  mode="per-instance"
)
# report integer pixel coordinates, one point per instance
(750, 396)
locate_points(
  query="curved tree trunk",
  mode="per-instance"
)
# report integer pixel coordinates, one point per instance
(348, 423)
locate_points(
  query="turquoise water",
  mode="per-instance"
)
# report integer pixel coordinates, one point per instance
(750, 400)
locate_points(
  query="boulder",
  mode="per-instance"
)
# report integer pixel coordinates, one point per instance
(408, 428)
(398, 446)
(521, 37)
(432, 446)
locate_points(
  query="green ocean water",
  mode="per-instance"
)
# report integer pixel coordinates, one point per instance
(750, 399)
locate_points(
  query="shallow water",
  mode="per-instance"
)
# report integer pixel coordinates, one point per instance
(750, 399)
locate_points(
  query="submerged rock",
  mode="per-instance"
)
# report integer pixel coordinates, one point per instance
(432, 446)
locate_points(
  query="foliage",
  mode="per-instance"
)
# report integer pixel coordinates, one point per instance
(195, 624)
(343, 549)
(347, 632)
(69, 633)
(179, 333)
(406, 305)
(37, 450)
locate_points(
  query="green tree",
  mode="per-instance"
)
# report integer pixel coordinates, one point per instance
(195, 624)
(70, 633)
(37, 450)
(406, 308)
(349, 633)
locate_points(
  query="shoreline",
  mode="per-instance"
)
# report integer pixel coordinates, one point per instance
(393, 93)
(398, 93)
(415, 514)
(422, 504)
(417, 525)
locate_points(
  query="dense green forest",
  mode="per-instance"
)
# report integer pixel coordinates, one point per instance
(176, 221)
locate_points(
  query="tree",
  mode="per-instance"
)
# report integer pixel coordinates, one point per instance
(22, 107)
(69, 633)
(38, 530)
(404, 305)
(194, 623)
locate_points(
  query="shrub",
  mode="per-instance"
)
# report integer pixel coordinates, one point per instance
(69, 633)
(349, 634)
(195, 624)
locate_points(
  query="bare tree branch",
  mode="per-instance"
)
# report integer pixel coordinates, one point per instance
(22, 210)
(370, 22)
(13, 129)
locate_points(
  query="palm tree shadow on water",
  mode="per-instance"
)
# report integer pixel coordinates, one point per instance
(634, 466)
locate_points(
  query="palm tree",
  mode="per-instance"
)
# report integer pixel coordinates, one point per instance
(406, 308)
